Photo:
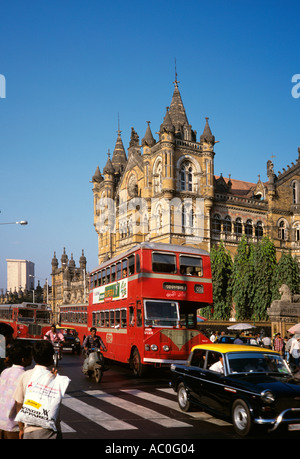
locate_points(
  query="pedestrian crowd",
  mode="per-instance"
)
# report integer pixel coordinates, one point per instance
(17, 376)
(288, 347)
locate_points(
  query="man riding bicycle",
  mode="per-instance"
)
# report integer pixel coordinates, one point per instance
(54, 336)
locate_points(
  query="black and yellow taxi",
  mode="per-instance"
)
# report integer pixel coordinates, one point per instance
(247, 385)
(71, 340)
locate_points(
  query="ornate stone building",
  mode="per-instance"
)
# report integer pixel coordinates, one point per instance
(165, 190)
(69, 283)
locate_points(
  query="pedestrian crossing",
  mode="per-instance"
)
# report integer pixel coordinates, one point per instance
(165, 397)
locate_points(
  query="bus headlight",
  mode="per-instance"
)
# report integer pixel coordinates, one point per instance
(154, 347)
(166, 348)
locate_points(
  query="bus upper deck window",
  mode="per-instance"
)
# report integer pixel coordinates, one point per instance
(130, 265)
(124, 268)
(113, 273)
(103, 277)
(97, 279)
(163, 262)
(119, 272)
(137, 263)
(107, 278)
(190, 266)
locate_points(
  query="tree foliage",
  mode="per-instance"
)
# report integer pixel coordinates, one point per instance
(264, 263)
(251, 281)
(221, 275)
(240, 280)
(286, 272)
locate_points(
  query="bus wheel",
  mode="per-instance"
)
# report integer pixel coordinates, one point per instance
(137, 366)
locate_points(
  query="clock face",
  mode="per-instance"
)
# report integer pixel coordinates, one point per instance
(132, 186)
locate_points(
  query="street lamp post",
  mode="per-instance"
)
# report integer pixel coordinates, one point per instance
(22, 222)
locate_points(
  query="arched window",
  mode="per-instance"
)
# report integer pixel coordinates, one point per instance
(227, 224)
(297, 232)
(216, 223)
(157, 175)
(295, 192)
(282, 230)
(249, 228)
(187, 219)
(259, 232)
(238, 227)
(159, 219)
(186, 176)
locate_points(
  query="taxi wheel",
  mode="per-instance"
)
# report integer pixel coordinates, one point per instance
(182, 398)
(241, 418)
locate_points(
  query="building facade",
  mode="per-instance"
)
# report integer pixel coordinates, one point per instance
(69, 283)
(166, 191)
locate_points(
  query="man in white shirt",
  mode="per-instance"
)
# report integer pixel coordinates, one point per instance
(218, 366)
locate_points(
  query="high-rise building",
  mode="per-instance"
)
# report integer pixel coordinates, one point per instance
(20, 274)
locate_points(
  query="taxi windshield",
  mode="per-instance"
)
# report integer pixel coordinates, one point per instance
(256, 362)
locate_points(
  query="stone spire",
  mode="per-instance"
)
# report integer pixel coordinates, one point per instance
(119, 158)
(54, 262)
(177, 110)
(64, 259)
(207, 136)
(97, 177)
(148, 139)
(82, 261)
(109, 168)
(167, 125)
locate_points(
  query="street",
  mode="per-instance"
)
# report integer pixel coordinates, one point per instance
(126, 408)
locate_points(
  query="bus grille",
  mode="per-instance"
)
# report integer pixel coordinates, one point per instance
(34, 329)
(179, 337)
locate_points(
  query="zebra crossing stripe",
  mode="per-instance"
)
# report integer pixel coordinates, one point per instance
(96, 415)
(200, 415)
(139, 410)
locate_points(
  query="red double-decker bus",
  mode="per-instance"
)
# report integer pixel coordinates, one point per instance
(144, 303)
(29, 320)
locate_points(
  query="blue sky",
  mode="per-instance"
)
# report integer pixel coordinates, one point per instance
(71, 66)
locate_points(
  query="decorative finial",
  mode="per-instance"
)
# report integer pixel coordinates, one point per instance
(119, 131)
(176, 81)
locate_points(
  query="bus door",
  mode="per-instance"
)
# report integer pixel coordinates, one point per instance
(139, 314)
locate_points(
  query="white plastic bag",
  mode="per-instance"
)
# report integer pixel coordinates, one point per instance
(42, 399)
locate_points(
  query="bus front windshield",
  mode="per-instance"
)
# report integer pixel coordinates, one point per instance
(161, 313)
